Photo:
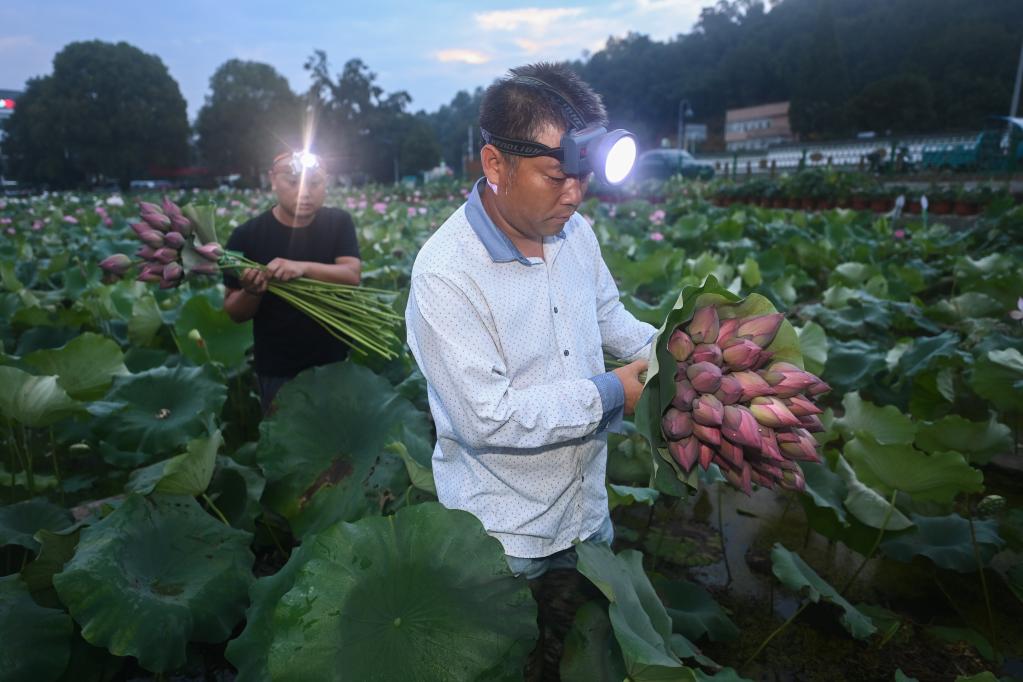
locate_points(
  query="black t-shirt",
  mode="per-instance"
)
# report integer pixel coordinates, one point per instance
(287, 340)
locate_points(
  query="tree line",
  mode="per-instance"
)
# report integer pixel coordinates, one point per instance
(112, 112)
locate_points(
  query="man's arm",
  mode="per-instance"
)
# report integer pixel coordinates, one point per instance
(621, 334)
(242, 304)
(344, 270)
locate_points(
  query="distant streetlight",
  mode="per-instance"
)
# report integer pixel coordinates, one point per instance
(684, 111)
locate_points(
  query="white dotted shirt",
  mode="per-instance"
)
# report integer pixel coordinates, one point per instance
(512, 349)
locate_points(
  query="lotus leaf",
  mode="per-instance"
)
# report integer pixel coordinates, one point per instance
(236, 490)
(36, 640)
(56, 549)
(852, 364)
(886, 425)
(867, 505)
(154, 574)
(145, 319)
(327, 439)
(694, 613)
(20, 521)
(421, 476)
(223, 340)
(186, 474)
(978, 441)
(625, 495)
(994, 376)
(158, 410)
(825, 488)
(814, 343)
(793, 572)
(946, 541)
(423, 595)
(925, 352)
(591, 652)
(34, 401)
(938, 476)
(979, 641)
(84, 367)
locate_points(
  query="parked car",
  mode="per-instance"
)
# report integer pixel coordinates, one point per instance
(661, 164)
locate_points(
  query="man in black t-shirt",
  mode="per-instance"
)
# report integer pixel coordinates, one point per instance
(295, 238)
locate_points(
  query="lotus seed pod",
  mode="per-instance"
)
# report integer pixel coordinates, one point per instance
(175, 240)
(703, 328)
(753, 385)
(771, 411)
(726, 330)
(680, 345)
(152, 238)
(730, 390)
(685, 394)
(740, 426)
(741, 354)
(761, 329)
(685, 452)
(801, 406)
(705, 377)
(711, 435)
(676, 424)
(707, 352)
(708, 410)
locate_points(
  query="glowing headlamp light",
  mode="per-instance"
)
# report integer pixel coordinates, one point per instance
(583, 149)
(301, 162)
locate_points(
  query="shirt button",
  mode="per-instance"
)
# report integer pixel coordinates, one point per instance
(555, 309)
(566, 352)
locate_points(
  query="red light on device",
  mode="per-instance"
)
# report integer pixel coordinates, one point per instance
(6, 103)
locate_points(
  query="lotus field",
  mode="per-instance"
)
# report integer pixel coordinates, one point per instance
(822, 479)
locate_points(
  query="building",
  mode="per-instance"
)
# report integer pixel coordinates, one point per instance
(759, 127)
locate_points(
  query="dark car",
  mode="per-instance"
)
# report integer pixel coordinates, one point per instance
(661, 164)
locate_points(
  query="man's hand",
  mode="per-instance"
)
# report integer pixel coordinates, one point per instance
(283, 269)
(629, 375)
(254, 281)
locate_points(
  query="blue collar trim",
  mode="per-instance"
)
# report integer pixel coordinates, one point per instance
(498, 245)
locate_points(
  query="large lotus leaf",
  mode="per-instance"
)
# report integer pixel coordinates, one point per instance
(159, 410)
(154, 574)
(56, 549)
(693, 612)
(36, 640)
(886, 425)
(186, 474)
(926, 351)
(84, 367)
(20, 521)
(867, 505)
(825, 488)
(937, 476)
(794, 573)
(591, 652)
(145, 319)
(420, 475)
(423, 595)
(946, 541)
(852, 364)
(326, 439)
(978, 441)
(223, 340)
(625, 495)
(236, 489)
(814, 343)
(640, 622)
(995, 375)
(33, 400)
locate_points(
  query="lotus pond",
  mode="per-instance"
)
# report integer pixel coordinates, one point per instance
(153, 527)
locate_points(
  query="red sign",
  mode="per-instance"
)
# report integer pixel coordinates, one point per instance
(6, 103)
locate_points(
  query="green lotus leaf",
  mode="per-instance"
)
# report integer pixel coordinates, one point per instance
(158, 410)
(694, 613)
(722, 675)
(794, 573)
(421, 476)
(20, 521)
(867, 505)
(326, 440)
(204, 219)
(186, 474)
(423, 595)
(625, 495)
(591, 652)
(937, 476)
(946, 541)
(903, 677)
(814, 343)
(825, 489)
(969, 635)
(926, 351)
(236, 489)
(986, 676)
(223, 340)
(56, 549)
(978, 441)
(886, 425)
(640, 622)
(84, 367)
(36, 640)
(34, 401)
(995, 375)
(145, 320)
(852, 365)
(154, 574)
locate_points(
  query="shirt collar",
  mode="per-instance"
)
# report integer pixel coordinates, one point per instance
(496, 242)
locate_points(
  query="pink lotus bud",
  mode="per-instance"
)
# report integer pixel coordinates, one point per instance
(139, 228)
(801, 406)
(760, 329)
(706, 455)
(676, 424)
(169, 283)
(152, 238)
(772, 412)
(726, 330)
(145, 252)
(804, 448)
(740, 426)
(180, 223)
(761, 479)
(812, 423)
(708, 410)
(166, 255)
(707, 352)
(148, 274)
(212, 251)
(818, 388)
(711, 435)
(116, 264)
(769, 444)
(172, 272)
(705, 377)
(787, 379)
(175, 240)
(205, 268)
(685, 452)
(731, 454)
(730, 391)
(793, 480)
(685, 394)
(741, 354)
(680, 345)
(703, 328)
(157, 220)
(148, 207)
(170, 208)
(753, 385)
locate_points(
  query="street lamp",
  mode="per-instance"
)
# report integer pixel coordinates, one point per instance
(684, 111)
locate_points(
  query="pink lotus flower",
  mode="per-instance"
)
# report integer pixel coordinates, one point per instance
(71, 219)
(11, 231)
(1017, 314)
(37, 225)
(899, 233)
(411, 211)
(656, 237)
(380, 207)
(657, 217)
(5, 221)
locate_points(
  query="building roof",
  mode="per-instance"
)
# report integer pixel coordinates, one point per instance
(759, 111)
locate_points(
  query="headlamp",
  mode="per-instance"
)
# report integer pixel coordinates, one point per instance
(583, 149)
(300, 162)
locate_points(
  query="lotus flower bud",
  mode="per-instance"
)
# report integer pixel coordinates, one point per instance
(804, 448)
(753, 385)
(165, 255)
(818, 388)
(801, 407)
(212, 251)
(685, 452)
(170, 208)
(730, 391)
(680, 345)
(740, 426)
(769, 444)
(787, 380)
(676, 424)
(180, 223)
(169, 283)
(148, 207)
(741, 354)
(139, 228)
(195, 335)
(204, 268)
(685, 394)
(145, 252)
(731, 454)
(148, 274)
(793, 480)
(116, 264)
(760, 329)
(703, 328)
(152, 238)
(706, 455)
(726, 330)
(172, 272)
(175, 240)
(812, 423)
(157, 220)
(707, 352)
(705, 377)
(772, 412)
(761, 479)
(708, 410)
(711, 435)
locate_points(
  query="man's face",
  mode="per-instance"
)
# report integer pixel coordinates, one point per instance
(299, 195)
(538, 198)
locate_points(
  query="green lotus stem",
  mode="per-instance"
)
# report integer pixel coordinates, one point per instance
(214, 507)
(273, 536)
(877, 542)
(777, 631)
(56, 466)
(721, 536)
(340, 330)
(27, 460)
(983, 579)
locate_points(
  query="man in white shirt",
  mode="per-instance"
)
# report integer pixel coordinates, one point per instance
(510, 313)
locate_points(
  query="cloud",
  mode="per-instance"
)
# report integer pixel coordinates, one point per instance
(14, 42)
(462, 56)
(539, 21)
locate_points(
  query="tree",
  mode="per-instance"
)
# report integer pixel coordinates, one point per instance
(248, 116)
(108, 111)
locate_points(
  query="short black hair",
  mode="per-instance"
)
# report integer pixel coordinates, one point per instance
(519, 111)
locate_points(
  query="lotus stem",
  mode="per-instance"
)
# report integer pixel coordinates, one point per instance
(983, 578)
(777, 631)
(215, 509)
(873, 548)
(721, 536)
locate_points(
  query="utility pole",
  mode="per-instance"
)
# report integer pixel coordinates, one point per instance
(684, 111)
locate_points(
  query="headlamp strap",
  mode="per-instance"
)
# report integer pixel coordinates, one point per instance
(520, 147)
(572, 115)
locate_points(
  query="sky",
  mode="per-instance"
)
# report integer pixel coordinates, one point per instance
(431, 49)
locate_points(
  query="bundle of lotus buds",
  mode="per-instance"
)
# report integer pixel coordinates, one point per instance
(737, 408)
